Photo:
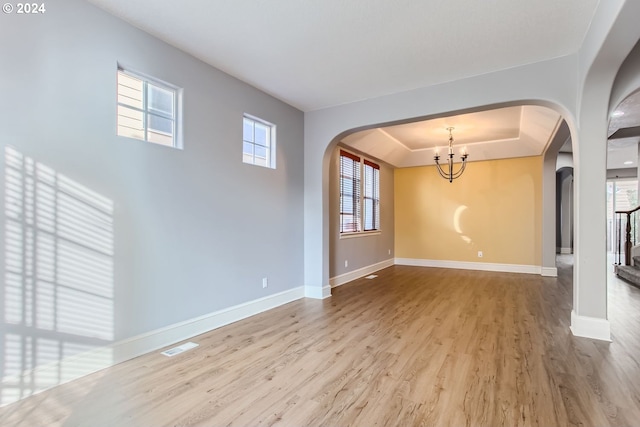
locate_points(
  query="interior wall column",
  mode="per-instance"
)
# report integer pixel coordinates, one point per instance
(549, 216)
(589, 314)
(612, 34)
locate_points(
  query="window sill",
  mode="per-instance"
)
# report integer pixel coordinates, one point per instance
(359, 234)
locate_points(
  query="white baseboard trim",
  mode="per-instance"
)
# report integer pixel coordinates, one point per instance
(462, 265)
(356, 274)
(590, 327)
(549, 272)
(103, 357)
(317, 292)
(566, 251)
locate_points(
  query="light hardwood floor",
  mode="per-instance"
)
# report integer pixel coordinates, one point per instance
(415, 346)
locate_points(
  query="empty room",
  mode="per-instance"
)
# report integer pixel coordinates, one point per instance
(319, 213)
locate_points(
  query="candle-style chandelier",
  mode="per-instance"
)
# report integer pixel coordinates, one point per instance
(449, 174)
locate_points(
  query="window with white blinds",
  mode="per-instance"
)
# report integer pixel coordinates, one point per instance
(147, 109)
(349, 192)
(359, 198)
(371, 196)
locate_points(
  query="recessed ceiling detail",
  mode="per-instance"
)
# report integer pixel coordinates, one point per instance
(486, 135)
(472, 128)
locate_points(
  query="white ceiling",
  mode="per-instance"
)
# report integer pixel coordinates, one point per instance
(317, 54)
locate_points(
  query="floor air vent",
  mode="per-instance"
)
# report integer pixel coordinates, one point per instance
(179, 349)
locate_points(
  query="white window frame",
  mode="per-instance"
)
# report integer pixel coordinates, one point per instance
(176, 140)
(361, 205)
(270, 161)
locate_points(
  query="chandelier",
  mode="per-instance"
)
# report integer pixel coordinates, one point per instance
(447, 172)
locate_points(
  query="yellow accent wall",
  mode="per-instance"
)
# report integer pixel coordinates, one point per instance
(494, 207)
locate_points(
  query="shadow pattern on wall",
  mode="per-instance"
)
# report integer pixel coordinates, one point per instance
(58, 287)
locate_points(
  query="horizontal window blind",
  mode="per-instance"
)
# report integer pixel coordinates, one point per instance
(371, 196)
(349, 192)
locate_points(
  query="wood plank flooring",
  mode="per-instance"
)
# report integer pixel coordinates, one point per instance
(414, 347)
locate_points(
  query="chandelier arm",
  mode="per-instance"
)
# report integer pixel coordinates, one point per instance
(440, 171)
(457, 174)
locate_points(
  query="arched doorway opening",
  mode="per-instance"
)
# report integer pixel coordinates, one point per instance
(491, 218)
(564, 210)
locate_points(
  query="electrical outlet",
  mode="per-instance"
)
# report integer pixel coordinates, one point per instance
(479, 254)
(346, 263)
(389, 251)
(265, 282)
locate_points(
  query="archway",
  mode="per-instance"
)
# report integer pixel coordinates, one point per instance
(508, 238)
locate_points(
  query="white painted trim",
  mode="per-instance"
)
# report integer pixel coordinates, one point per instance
(566, 251)
(590, 327)
(100, 358)
(361, 272)
(549, 272)
(356, 234)
(462, 265)
(317, 292)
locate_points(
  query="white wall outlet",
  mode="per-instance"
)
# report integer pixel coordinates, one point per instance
(479, 254)
(346, 263)
(389, 251)
(265, 282)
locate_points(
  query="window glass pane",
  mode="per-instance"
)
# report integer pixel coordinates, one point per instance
(130, 123)
(368, 214)
(347, 204)
(247, 130)
(368, 181)
(160, 125)
(130, 90)
(160, 100)
(346, 186)
(261, 152)
(247, 148)
(262, 134)
(159, 130)
(626, 195)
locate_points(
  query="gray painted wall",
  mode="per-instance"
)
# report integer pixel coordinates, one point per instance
(194, 230)
(364, 250)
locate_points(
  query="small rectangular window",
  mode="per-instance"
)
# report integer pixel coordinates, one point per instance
(258, 142)
(147, 109)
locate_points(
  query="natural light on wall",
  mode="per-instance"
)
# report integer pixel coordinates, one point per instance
(456, 223)
(58, 296)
